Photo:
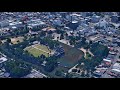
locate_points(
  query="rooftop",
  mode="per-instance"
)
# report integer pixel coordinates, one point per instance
(3, 59)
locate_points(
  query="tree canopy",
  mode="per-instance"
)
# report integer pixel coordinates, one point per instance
(17, 69)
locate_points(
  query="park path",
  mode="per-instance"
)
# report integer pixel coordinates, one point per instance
(84, 50)
(90, 52)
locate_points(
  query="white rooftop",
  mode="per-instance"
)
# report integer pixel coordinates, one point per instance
(14, 27)
(74, 14)
(3, 59)
(108, 60)
(116, 70)
(74, 21)
(35, 74)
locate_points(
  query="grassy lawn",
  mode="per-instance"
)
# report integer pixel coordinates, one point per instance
(59, 68)
(36, 52)
(88, 56)
(42, 47)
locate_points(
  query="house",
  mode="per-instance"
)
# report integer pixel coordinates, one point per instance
(48, 29)
(44, 62)
(115, 71)
(107, 60)
(73, 25)
(4, 23)
(57, 22)
(114, 19)
(36, 42)
(32, 33)
(103, 24)
(95, 19)
(35, 23)
(112, 53)
(116, 66)
(3, 59)
(35, 74)
(112, 73)
(6, 75)
(97, 74)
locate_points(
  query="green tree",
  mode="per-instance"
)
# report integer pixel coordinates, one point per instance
(58, 73)
(72, 40)
(68, 75)
(99, 50)
(43, 33)
(17, 69)
(90, 42)
(83, 40)
(8, 40)
(51, 64)
(61, 36)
